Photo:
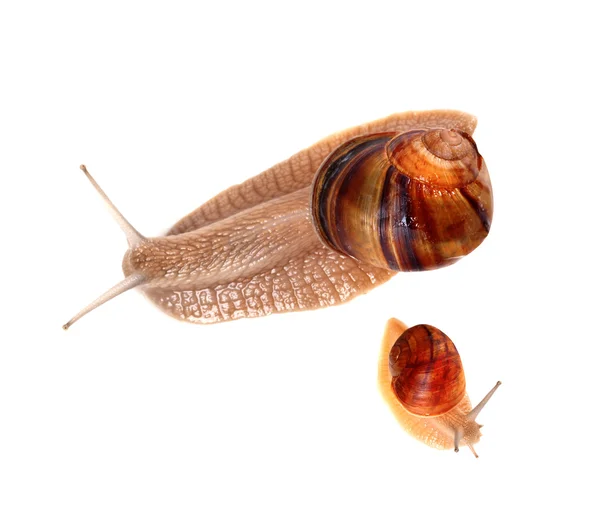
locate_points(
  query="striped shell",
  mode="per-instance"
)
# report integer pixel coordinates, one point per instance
(414, 201)
(427, 373)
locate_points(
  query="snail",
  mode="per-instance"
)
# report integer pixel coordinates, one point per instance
(406, 192)
(422, 380)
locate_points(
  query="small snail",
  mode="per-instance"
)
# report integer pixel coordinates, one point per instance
(422, 380)
(407, 192)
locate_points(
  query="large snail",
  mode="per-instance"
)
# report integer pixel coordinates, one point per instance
(422, 380)
(407, 192)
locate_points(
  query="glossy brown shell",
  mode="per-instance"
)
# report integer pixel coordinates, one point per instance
(427, 373)
(413, 201)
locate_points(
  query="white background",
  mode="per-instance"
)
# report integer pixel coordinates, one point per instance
(132, 415)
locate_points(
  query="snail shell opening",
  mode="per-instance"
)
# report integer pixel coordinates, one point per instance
(413, 201)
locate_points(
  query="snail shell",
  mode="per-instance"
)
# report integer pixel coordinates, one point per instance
(265, 247)
(412, 201)
(421, 378)
(427, 373)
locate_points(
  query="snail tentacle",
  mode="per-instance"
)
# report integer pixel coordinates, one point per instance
(134, 238)
(127, 284)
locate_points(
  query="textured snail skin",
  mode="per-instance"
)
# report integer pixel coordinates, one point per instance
(252, 250)
(437, 431)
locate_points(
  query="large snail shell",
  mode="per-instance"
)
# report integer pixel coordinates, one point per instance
(427, 373)
(426, 195)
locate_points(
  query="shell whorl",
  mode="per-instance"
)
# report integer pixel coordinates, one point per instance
(427, 373)
(442, 158)
(413, 201)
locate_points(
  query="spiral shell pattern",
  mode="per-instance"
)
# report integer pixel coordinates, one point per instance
(427, 373)
(415, 201)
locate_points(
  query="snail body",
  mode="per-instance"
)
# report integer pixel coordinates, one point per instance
(329, 224)
(422, 380)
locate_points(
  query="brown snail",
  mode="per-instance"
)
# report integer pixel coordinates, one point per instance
(407, 192)
(422, 380)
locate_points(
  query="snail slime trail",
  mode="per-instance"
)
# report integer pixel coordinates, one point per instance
(406, 192)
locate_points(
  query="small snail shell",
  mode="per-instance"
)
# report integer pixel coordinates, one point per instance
(407, 192)
(422, 380)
